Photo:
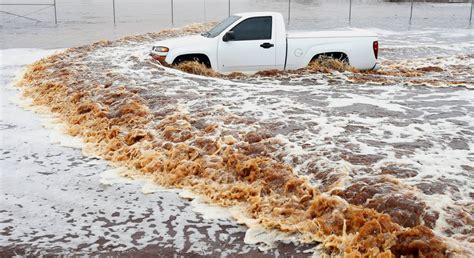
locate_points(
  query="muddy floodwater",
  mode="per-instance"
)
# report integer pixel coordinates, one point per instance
(104, 151)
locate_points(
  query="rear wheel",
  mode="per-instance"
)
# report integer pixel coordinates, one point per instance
(332, 55)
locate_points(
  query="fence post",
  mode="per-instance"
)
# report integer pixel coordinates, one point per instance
(289, 11)
(205, 14)
(470, 16)
(411, 11)
(172, 12)
(229, 6)
(55, 13)
(350, 11)
(113, 8)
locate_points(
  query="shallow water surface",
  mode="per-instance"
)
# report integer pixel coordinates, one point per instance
(399, 142)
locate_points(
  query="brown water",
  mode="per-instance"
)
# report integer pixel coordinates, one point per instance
(355, 165)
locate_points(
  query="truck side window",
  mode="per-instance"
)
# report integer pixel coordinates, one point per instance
(256, 28)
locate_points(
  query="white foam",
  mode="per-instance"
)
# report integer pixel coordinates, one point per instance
(115, 176)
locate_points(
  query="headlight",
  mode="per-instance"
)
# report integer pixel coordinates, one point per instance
(160, 49)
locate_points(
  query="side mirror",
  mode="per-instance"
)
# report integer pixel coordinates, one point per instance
(228, 36)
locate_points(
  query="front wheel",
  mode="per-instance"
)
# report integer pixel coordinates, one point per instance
(202, 59)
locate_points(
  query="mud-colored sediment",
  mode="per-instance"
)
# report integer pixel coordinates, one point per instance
(183, 150)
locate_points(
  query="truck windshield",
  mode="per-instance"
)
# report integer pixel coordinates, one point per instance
(221, 27)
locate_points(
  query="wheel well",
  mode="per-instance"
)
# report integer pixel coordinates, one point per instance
(201, 58)
(336, 55)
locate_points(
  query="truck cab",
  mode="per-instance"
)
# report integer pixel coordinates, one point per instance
(258, 38)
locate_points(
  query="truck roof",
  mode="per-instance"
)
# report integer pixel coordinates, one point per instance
(252, 14)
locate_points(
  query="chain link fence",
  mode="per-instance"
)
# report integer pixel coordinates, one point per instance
(171, 8)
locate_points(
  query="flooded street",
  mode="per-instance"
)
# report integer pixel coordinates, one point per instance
(339, 150)
(54, 200)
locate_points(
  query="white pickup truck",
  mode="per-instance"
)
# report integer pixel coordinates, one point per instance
(256, 41)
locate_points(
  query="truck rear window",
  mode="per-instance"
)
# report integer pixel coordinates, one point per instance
(256, 28)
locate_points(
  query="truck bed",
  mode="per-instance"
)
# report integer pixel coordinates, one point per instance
(356, 45)
(329, 34)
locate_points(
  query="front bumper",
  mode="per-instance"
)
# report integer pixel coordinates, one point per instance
(159, 57)
(376, 67)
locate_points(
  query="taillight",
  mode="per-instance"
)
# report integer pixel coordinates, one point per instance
(376, 49)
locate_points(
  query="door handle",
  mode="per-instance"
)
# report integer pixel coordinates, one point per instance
(267, 45)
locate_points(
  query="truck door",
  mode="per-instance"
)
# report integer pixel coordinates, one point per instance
(251, 47)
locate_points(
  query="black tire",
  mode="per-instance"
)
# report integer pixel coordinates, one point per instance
(198, 58)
